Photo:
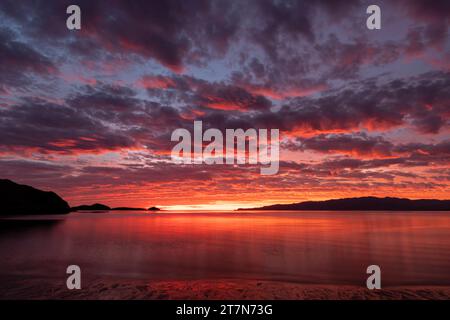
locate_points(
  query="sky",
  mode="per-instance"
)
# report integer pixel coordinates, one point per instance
(89, 113)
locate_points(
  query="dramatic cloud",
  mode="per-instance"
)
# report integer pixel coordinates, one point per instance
(19, 61)
(39, 125)
(90, 113)
(422, 101)
(169, 32)
(359, 144)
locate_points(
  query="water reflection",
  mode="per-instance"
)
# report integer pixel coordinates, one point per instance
(308, 247)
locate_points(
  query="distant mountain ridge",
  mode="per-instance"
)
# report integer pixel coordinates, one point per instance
(363, 203)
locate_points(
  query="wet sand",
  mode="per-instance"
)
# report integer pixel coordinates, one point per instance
(226, 289)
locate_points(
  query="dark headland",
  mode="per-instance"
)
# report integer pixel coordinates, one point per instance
(365, 204)
(22, 199)
(19, 199)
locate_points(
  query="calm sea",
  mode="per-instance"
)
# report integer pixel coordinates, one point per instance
(306, 247)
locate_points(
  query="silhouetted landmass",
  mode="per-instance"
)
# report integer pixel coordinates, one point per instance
(96, 206)
(128, 209)
(366, 204)
(17, 199)
(154, 209)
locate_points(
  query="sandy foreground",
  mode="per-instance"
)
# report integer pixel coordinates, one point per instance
(210, 289)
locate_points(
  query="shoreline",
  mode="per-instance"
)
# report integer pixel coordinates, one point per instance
(221, 289)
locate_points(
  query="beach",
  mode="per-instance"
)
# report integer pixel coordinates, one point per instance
(222, 289)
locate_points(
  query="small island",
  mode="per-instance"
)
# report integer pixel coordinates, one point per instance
(103, 207)
(92, 207)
